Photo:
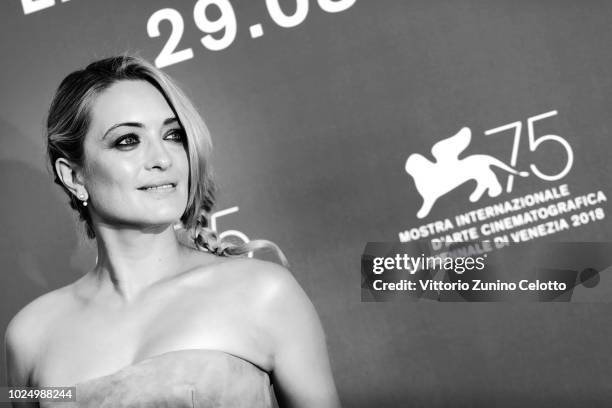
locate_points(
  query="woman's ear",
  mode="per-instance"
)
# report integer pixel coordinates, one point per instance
(70, 175)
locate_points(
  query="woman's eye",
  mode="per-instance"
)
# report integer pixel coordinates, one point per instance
(178, 135)
(127, 140)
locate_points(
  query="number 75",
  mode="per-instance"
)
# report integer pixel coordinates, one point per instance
(534, 143)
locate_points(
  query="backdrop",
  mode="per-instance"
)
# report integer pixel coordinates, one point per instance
(315, 107)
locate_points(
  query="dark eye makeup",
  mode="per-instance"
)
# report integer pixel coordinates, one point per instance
(131, 139)
(178, 135)
(127, 140)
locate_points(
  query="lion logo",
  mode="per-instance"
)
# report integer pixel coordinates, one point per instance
(434, 179)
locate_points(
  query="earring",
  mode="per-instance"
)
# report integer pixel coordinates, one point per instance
(82, 197)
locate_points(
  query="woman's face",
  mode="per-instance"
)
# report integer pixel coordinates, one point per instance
(135, 167)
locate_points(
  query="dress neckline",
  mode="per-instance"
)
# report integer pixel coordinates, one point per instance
(166, 353)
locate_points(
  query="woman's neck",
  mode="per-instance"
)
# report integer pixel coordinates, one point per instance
(131, 260)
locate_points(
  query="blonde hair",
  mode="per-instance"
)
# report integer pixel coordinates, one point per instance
(69, 118)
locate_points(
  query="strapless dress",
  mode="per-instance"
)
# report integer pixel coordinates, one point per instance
(177, 379)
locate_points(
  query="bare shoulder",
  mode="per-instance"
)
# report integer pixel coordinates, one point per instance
(266, 291)
(270, 281)
(278, 301)
(287, 319)
(34, 313)
(27, 330)
(31, 322)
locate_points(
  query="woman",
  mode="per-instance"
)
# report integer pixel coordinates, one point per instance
(157, 322)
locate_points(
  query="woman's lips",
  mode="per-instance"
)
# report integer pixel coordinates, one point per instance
(159, 188)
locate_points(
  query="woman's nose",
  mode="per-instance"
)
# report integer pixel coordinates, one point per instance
(158, 156)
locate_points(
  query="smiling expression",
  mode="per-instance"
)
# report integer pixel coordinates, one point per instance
(136, 167)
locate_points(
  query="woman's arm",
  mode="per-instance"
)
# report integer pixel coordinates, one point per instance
(301, 373)
(18, 355)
